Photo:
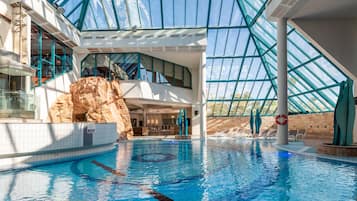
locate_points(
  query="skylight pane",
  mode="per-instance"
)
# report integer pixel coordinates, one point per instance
(145, 13)
(262, 74)
(73, 10)
(226, 69)
(237, 17)
(122, 14)
(229, 90)
(90, 19)
(256, 89)
(202, 13)
(179, 13)
(216, 9)
(302, 44)
(109, 14)
(227, 12)
(325, 78)
(242, 42)
(235, 69)
(231, 42)
(234, 105)
(220, 91)
(266, 86)
(216, 69)
(310, 77)
(168, 12)
(191, 13)
(331, 93)
(155, 7)
(209, 63)
(330, 69)
(211, 41)
(239, 90)
(252, 50)
(254, 68)
(212, 90)
(221, 42)
(224, 108)
(210, 106)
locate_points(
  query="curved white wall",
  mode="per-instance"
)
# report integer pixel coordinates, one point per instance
(142, 90)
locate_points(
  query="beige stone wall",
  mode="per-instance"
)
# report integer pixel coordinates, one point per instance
(319, 127)
(235, 124)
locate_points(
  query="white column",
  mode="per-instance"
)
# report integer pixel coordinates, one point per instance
(203, 97)
(145, 116)
(282, 79)
(196, 109)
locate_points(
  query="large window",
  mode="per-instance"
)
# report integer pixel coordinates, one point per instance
(49, 56)
(136, 66)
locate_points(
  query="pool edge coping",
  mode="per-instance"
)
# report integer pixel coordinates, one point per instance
(316, 155)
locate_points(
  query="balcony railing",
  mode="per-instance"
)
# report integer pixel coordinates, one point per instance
(16, 104)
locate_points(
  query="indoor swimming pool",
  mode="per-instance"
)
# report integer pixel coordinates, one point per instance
(220, 169)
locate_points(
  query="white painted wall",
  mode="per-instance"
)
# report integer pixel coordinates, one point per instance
(48, 93)
(18, 138)
(44, 14)
(5, 31)
(149, 39)
(336, 38)
(137, 89)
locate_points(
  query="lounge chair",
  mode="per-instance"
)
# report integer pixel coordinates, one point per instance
(300, 134)
(292, 134)
(270, 133)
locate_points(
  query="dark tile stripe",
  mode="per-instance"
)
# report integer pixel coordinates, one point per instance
(115, 172)
(147, 190)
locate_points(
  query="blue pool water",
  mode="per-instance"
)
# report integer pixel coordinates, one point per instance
(216, 170)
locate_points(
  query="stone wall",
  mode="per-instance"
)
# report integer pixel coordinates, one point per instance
(93, 99)
(318, 127)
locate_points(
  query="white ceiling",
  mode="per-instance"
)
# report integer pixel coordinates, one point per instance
(320, 9)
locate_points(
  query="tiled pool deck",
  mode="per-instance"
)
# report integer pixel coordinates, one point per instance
(300, 148)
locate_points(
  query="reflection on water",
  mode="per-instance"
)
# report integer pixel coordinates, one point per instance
(213, 170)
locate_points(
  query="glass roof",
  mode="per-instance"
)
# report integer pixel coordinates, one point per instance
(241, 51)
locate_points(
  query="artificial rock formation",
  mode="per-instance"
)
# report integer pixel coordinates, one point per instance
(94, 99)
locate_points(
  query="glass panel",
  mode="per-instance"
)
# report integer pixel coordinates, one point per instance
(226, 69)
(103, 66)
(146, 68)
(178, 75)
(187, 78)
(212, 90)
(210, 108)
(88, 66)
(150, 13)
(225, 108)
(235, 69)
(229, 90)
(169, 72)
(116, 62)
(122, 13)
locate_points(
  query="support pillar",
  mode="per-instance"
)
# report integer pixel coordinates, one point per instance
(145, 129)
(282, 79)
(203, 97)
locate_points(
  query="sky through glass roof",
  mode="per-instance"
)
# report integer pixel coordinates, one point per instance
(241, 50)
